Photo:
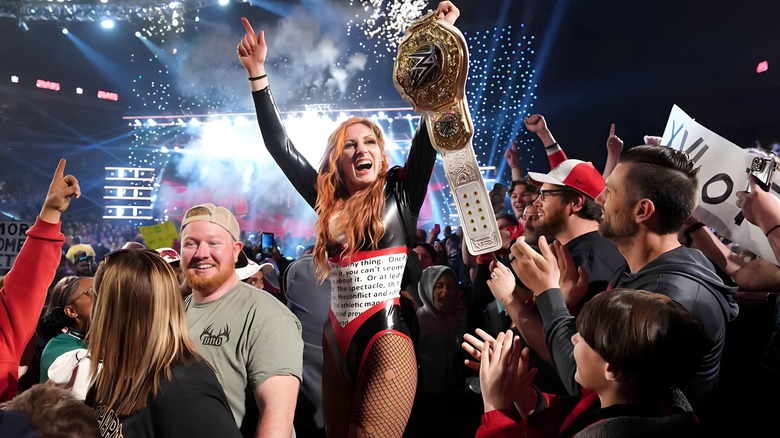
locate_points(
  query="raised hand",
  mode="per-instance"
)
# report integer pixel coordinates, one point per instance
(61, 190)
(614, 143)
(539, 272)
(512, 159)
(252, 50)
(535, 123)
(614, 147)
(448, 12)
(652, 140)
(760, 208)
(434, 233)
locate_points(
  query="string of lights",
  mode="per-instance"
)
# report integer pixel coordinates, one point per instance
(155, 17)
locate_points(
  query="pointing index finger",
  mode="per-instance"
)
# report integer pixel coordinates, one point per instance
(612, 130)
(60, 172)
(248, 27)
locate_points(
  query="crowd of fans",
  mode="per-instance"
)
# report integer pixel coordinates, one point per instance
(609, 310)
(487, 303)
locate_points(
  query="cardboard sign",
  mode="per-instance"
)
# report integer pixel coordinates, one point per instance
(722, 173)
(12, 237)
(164, 235)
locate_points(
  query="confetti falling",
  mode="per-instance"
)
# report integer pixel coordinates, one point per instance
(384, 22)
(500, 91)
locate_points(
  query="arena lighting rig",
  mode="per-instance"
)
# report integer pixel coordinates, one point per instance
(155, 17)
(381, 22)
(97, 10)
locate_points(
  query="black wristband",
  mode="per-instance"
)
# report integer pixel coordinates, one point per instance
(772, 229)
(257, 78)
(689, 230)
(694, 227)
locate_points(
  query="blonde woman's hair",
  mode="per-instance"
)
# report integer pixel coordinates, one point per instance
(138, 329)
(358, 215)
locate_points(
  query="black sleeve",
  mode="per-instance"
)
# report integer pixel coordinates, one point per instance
(559, 327)
(193, 404)
(480, 297)
(418, 168)
(294, 165)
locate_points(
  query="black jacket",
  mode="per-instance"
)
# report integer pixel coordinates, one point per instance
(683, 274)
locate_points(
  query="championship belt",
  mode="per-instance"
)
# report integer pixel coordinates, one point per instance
(430, 73)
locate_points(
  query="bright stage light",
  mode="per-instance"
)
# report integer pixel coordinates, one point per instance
(65, 31)
(107, 24)
(137, 34)
(224, 2)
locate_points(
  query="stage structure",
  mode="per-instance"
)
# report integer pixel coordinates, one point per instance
(220, 158)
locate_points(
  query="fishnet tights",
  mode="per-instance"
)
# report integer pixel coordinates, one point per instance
(383, 397)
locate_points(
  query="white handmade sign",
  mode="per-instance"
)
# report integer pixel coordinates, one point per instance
(12, 237)
(722, 173)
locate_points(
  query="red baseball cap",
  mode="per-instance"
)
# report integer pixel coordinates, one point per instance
(576, 174)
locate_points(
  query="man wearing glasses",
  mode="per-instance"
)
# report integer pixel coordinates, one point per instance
(567, 209)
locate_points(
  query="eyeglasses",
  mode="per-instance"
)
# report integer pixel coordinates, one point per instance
(88, 292)
(544, 195)
(84, 259)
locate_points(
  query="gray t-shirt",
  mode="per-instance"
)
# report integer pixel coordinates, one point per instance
(247, 336)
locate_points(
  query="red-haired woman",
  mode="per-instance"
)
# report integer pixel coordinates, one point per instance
(367, 218)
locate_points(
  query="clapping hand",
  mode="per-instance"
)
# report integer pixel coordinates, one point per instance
(473, 347)
(501, 282)
(504, 377)
(538, 272)
(573, 279)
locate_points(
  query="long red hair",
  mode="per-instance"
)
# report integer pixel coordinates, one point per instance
(358, 215)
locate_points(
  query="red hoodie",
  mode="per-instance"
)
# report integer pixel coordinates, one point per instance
(22, 297)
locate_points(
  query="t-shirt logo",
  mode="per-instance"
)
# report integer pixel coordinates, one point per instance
(109, 424)
(209, 338)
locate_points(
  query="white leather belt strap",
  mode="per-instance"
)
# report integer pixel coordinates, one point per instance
(430, 73)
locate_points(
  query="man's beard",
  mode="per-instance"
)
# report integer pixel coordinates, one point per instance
(207, 285)
(619, 228)
(554, 222)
